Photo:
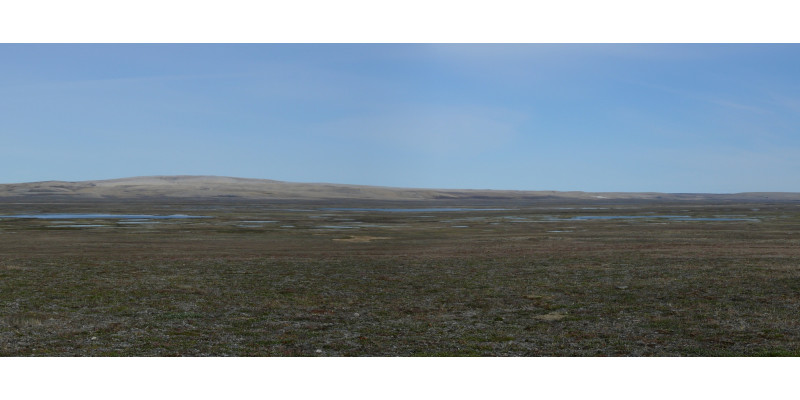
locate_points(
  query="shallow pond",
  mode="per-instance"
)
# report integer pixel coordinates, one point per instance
(415, 209)
(75, 226)
(103, 216)
(670, 217)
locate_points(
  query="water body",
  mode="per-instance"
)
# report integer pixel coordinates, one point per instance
(415, 209)
(75, 226)
(589, 217)
(104, 216)
(516, 219)
(670, 217)
(722, 219)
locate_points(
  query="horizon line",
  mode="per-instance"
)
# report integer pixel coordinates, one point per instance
(385, 186)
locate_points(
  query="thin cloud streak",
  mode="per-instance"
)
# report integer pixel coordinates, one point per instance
(702, 97)
(434, 130)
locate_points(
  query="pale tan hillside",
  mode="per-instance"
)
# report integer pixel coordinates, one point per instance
(215, 187)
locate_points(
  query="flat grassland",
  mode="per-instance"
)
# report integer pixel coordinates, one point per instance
(300, 279)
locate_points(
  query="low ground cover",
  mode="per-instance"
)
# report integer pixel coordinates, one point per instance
(527, 281)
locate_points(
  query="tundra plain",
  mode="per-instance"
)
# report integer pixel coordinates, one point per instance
(480, 276)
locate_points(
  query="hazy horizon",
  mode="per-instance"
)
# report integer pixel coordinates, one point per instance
(143, 180)
(684, 118)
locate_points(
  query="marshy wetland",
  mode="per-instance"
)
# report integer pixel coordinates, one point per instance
(188, 278)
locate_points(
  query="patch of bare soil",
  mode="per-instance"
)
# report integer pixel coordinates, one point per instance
(12, 267)
(361, 239)
(553, 316)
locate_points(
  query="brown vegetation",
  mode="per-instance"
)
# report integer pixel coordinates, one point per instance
(523, 281)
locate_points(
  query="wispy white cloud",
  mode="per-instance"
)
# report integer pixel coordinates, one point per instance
(732, 104)
(304, 82)
(556, 52)
(116, 82)
(431, 129)
(705, 97)
(788, 102)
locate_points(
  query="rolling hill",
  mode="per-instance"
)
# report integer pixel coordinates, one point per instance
(228, 188)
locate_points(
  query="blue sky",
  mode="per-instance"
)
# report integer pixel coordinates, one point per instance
(615, 117)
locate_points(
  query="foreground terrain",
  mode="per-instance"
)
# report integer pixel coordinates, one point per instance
(524, 278)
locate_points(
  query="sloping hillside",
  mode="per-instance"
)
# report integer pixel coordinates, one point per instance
(214, 187)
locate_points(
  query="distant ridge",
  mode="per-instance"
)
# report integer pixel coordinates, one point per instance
(218, 187)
